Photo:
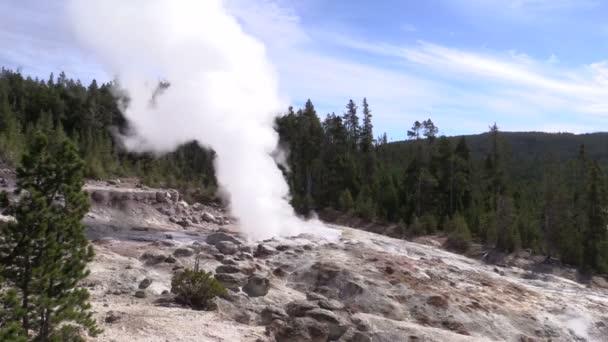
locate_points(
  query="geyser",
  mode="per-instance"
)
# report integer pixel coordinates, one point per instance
(224, 94)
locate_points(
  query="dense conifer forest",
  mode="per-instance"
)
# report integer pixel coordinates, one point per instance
(538, 191)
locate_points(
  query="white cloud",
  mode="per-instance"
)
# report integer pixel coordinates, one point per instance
(458, 87)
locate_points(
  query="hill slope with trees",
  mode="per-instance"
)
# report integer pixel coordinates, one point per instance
(545, 192)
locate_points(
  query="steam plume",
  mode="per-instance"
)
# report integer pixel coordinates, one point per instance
(223, 93)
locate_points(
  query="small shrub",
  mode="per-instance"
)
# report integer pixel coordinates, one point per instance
(459, 238)
(346, 202)
(195, 287)
(429, 223)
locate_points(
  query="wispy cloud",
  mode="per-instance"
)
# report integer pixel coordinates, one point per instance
(457, 86)
(464, 89)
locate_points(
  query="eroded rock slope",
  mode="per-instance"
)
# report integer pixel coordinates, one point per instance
(360, 287)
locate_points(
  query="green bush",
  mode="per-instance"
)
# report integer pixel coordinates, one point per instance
(459, 238)
(429, 223)
(195, 287)
(346, 202)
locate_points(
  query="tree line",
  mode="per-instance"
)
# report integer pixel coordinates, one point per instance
(429, 184)
(90, 116)
(433, 184)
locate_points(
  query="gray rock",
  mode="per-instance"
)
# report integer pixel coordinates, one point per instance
(270, 313)
(299, 308)
(227, 269)
(257, 286)
(264, 251)
(230, 310)
(352, 335)
(144, 284)
(208, 218)
(247, 256)
(245, 249)
(140, 294)
(214, 238)
(282, 248)
(170, 260)
(302, 329)
(331, 304)
(113, 317)
(183, 252)
(184, 222)
(226, 247)
(232, 281)
(153, 258)
(313, 296)
(162, 197)
(336, 327)
(228, 261)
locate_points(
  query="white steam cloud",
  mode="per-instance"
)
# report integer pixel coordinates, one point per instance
(223, 93)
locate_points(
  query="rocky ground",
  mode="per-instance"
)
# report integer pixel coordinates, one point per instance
(360, 287)
(363, 287)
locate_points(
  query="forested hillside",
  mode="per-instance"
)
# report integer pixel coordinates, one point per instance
(90, 116)
(546, 192)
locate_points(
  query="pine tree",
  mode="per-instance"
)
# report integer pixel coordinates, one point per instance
(351, 121)
(367, 134)
(595, 234)
(45, 252)
(368, 154)
(346, 202)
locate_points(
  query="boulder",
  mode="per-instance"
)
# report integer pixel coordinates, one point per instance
(257, 286)
(352, 335)
(162, 197)
(208, 218)
(303, 329)
(214, 238)
(335, 326)
(282, 248)
(144, 284)
(264, 251)
(279, 272)
(227, 269)
(270, 313)
(100, 197)
(299, 308)
(231, 311)
(184, 222)
(113, 316)
(170, 260)
(245, 249)
(313, 296)
(183, 252)
(226, 247)
(140, 294)
(331, 304)
(232, 281)
(228, 261)
(153, 258)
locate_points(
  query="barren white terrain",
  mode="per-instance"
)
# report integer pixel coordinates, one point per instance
(360, 287)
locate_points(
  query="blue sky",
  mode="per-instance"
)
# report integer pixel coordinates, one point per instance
(526, 64)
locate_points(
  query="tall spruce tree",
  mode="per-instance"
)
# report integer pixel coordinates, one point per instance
(351, 121)
(595, 233)
(45, 252)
